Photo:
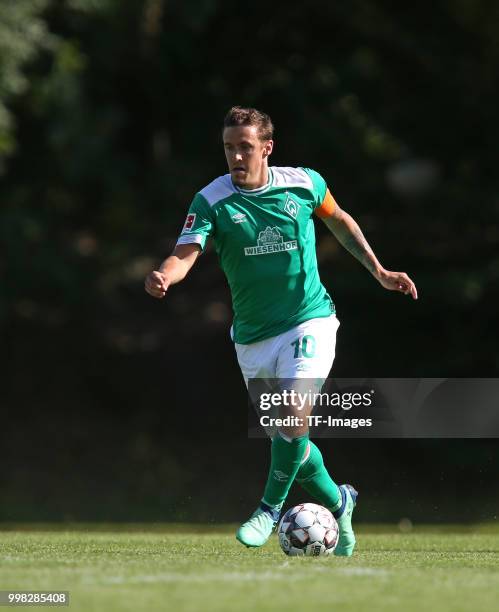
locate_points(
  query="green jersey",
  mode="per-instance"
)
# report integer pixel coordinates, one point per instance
(265, 241)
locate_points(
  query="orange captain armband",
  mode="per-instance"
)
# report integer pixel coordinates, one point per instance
(326, 209)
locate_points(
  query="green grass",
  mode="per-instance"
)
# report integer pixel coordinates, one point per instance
(161, 567)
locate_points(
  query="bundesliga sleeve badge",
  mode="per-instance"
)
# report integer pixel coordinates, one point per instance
(189, 222)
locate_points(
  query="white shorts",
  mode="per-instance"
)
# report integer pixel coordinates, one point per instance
(305, 351)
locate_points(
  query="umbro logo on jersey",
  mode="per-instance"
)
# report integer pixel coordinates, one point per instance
(239, 217)
(270, 240)
(291, 207)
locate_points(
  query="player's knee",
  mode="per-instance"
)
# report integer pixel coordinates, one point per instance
(294, 422)
(291, 432)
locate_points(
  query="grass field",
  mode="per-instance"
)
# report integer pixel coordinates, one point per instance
(200, 568)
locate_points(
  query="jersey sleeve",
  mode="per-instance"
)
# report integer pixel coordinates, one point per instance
(199, 223)
(323, 201)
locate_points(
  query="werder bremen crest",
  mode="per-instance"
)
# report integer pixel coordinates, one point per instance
(270, 240)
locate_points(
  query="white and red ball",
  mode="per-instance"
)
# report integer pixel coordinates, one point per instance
(308, 529)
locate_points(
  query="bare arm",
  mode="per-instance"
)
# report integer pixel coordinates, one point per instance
(349, 234)
(172, 270)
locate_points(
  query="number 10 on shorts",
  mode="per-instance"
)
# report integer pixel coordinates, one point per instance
(304, 347)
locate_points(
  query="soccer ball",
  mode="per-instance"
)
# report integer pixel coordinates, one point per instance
(308, 529)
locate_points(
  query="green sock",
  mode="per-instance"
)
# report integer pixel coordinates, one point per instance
(285, 462)
(315, 479)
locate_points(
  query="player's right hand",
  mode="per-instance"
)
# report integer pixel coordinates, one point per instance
(156, 284)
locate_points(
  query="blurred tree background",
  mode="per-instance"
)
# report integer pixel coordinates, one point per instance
(116, 406)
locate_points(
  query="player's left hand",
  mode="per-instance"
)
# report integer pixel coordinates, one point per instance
(397, 281)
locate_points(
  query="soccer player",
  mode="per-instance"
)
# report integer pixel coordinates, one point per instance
(261, 221)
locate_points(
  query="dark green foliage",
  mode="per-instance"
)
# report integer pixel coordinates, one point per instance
(110, 116)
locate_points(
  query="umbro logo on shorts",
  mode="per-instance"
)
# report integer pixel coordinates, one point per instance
(280, 476)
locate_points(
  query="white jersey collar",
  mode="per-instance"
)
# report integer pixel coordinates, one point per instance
(258, 190)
